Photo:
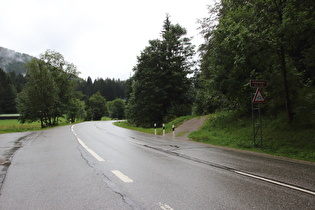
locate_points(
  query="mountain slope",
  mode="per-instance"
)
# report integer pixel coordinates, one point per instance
(11, 61)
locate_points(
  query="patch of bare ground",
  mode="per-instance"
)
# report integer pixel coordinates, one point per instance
(183, 130)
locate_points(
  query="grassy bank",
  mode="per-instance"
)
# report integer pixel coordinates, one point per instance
(228, 129)
(159, 130)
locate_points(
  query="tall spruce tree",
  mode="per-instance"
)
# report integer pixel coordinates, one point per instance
(160, 86)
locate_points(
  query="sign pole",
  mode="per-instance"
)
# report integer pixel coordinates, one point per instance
(256, 114)
(257, 125)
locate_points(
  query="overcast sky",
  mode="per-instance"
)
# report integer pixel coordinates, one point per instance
(102, 38)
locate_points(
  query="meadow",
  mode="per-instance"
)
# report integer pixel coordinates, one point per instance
(12, 126)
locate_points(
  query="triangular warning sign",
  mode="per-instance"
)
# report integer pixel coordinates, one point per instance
(259, 97)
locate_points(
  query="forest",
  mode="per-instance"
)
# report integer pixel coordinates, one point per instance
(262, 39)
(11, 84)
(244, 40)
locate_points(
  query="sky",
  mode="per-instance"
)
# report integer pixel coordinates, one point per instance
(101, 38)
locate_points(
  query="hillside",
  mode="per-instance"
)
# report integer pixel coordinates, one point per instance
(11, 61)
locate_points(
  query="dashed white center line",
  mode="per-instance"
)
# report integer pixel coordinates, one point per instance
(96, 156)
(165, 206)
(122, 176)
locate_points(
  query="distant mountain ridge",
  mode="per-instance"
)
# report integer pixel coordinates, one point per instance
(11, 61)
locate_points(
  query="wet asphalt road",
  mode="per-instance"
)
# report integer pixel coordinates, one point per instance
(96, 165)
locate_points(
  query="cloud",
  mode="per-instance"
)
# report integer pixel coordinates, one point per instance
(102, 38)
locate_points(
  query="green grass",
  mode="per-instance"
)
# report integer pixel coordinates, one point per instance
(106, 119)
(229, 130)
(159, 130)
(12, 126)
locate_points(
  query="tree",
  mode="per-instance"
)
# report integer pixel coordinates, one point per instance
(110, 89)
(116, 109)
(160, 86)
(39, 98)
(76, 110)
(10, 85)
(49, 88)
(96, 107)
(261, 39)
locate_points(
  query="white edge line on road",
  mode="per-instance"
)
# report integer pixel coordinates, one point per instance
(96, 156)
(165, 206)
(122, 176)
(275, 182)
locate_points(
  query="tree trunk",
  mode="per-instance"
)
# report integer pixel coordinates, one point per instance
(285, 85)
(280, 6)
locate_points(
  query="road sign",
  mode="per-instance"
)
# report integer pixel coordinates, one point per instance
(259, 97)
(258, 83)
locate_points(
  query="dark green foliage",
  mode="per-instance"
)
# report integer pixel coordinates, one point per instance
(110, 89)
(49, 89)
(10, 85)
(262, 39)
(160, 89)
(75, 110)
(96, 107)
(116, 109)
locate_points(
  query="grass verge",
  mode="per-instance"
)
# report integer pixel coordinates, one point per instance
(229, 130)
(12, 126)
(159, 130)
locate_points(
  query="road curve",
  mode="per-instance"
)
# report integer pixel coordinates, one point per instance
(96, 165)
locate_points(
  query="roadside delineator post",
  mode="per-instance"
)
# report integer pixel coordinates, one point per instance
(154, 128)
(173, 126)
(163, 129)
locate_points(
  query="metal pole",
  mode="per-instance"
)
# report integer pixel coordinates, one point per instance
(260, 127)
(257, 125)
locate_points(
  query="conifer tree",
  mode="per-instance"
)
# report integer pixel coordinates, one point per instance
(161, 89)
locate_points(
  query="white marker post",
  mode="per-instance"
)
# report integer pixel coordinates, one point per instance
(173, 126)
(154, 128)
(163, 129)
